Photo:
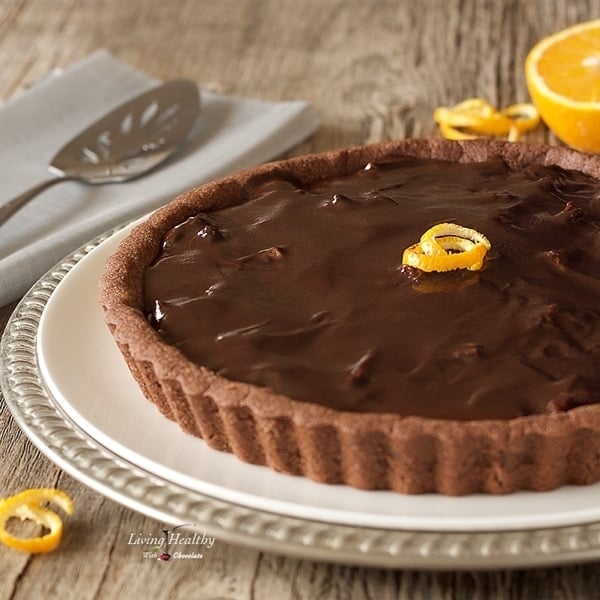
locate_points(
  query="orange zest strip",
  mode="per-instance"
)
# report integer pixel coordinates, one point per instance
(27, 505)
(446, 247)
(474, 118)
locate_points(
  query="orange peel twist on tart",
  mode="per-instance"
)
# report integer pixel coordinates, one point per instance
(446, 247)
(28, 505)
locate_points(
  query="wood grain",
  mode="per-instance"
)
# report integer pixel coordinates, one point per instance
(375, 71)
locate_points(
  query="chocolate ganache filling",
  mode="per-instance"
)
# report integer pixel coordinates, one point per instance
(302, 289)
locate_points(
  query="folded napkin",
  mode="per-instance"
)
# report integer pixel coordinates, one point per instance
(231, 133)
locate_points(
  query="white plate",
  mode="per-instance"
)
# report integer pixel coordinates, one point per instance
(69, 389)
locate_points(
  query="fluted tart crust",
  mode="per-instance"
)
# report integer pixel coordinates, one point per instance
(337, 442)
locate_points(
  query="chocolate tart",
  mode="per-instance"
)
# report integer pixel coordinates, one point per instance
(357, 370)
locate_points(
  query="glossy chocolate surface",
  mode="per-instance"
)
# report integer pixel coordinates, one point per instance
(303, 291)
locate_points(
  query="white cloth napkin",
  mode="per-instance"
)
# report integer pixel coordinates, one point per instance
(231, 133)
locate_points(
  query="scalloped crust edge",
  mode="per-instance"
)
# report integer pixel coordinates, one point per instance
(411, 455)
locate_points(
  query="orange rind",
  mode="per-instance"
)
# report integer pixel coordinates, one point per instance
(447, 247)
(474, 118)
(28, 505)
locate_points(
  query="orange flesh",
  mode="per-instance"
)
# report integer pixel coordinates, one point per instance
(571, 66)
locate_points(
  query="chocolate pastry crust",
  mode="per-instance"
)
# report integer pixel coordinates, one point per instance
(407, 454)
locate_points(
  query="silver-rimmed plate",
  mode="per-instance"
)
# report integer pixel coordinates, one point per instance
(68, 389)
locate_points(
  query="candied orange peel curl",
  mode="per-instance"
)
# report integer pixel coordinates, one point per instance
(446, 247)
(474, 118)
(28, 505)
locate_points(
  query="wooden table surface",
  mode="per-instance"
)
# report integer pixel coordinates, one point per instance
(375, 71)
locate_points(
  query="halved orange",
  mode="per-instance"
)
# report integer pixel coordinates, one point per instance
(563, 77)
